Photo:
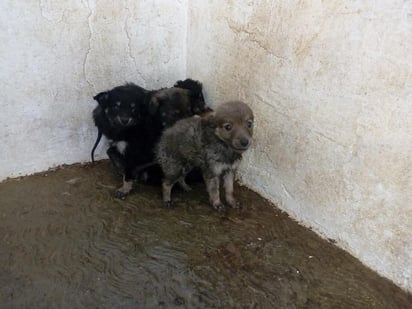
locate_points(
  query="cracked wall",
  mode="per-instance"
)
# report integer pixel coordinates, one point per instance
(56, 55)
(331, 86)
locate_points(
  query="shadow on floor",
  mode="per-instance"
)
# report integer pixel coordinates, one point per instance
(66, 242)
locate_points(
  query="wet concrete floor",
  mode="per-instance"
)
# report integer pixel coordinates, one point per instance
(67, 243)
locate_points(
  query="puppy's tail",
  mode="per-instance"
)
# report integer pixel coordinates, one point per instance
(99, 137)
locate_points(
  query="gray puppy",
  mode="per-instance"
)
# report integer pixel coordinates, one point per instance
(213, 143)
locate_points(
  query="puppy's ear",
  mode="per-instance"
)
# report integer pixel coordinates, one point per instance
(210, 120)
(194, 86)
(102, 98)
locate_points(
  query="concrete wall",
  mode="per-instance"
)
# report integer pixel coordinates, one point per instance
(331, 85)
(55, 55)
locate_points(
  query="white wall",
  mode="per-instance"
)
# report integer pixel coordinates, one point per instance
(331, 86)
(55, 55)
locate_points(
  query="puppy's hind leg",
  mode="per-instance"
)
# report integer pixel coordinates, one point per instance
(212, 186)
(228, 178)
(167, 186)
(117, 159)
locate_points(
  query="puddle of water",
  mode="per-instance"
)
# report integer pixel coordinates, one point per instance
(66, 242)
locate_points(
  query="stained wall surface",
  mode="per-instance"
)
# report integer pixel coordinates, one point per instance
(331, 86)
(56, 55)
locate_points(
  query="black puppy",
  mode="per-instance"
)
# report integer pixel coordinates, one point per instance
(118, 113)
(133, 119)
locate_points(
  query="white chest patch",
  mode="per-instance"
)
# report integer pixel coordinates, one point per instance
(235, 165)
(219, 168)
(121, 146)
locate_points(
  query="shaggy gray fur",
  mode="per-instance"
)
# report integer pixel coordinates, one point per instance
(214, 144)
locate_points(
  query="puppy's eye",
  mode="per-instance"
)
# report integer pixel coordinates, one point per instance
(228, 127)
(249, 124)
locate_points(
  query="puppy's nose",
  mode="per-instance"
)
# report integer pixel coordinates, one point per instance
(244, 142)
(124, 120)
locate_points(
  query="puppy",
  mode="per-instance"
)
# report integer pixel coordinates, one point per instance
(183, 100)
(132, 118)
(214, 144)
(118, 112)
(171, 104)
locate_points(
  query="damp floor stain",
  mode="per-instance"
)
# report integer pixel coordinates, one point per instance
(67, 243)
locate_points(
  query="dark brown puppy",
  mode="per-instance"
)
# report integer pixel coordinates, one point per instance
(214, 144)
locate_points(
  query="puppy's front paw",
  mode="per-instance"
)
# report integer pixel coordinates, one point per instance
(219, 207)
(120, 194)
(234, 203)
(124, 190)
(168, 204)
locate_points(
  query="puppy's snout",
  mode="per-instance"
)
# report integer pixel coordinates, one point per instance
(244, 142)
(241, 144)
(124, 120)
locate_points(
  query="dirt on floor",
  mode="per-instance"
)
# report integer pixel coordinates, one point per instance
(67, 243)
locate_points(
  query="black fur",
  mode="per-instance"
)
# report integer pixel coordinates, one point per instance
(138, 128)
(118, 122)
(196, 92)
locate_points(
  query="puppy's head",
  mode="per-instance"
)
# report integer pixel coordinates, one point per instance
(197, 100)
(122, 105)
(233, 124)
(171, 104)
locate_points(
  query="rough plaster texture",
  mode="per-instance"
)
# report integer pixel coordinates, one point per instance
(331, 85)
(55, 55)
